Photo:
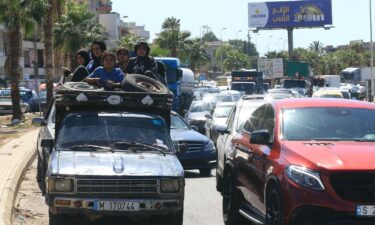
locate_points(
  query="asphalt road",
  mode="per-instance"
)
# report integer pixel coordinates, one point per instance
(202, 203)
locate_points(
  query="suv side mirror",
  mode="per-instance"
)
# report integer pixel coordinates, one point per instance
(38, 121)
(195, 128)
(261, 137)
(47, 143)
(222, 129)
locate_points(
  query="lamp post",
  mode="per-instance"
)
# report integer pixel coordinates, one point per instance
(238, 33)
(221, 49)
(201, 31)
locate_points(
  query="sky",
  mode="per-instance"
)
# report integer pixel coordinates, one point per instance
(351, 21)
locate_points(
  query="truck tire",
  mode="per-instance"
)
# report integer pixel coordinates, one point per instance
(56, 219)
(141, 83)
(81, 86)
(175, 219)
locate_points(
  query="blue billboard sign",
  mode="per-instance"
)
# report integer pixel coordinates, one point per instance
(308, 13)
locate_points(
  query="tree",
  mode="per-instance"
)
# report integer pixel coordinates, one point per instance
(16, 16)
(171, 37)
(195, 53)
(209, 37)
(317, 47)
(236, 60)
(157, 51)
(129, 42)
(76, 29)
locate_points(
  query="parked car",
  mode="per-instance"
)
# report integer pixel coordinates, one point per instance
(27, 96)
(109, 156)
(302, 161)
(6, 106)
(219, 117)
(196, 116)
(194, 150)
(237, 117)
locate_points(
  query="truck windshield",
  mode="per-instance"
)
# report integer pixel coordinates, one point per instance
(248, 88)
(294, 84)
(326, 123)
(105, 129)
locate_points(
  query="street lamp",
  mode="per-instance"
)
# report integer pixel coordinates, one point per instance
(221, 49)
(238, 32)
(200, 30)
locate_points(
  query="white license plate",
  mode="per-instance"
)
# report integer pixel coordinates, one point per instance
(116, 206)
(365, 210)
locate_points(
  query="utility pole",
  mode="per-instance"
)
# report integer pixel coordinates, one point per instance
(221, 48)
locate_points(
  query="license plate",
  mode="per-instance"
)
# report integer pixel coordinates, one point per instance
(365, 210)
(116, 206)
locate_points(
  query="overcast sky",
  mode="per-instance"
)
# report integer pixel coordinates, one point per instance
(350, 21)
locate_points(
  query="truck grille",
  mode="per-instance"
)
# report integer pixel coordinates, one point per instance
(117, 187)
(192, 146)
(359, 187)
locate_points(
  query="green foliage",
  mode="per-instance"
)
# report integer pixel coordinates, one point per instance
(171, 37)
(209, 37)
(76, 29)
(236, 60)
(157, 51)
(194, 52)
(128, 42)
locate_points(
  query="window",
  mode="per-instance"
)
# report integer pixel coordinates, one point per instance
(26, 56)
(269, 121)
(230, 119)
(255, 122)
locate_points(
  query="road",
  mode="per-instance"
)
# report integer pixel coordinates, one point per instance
(202, 203)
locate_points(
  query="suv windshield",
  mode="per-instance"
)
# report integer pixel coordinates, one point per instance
(105, 129)
(337, 124)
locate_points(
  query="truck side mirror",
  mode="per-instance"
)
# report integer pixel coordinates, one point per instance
(47, 143)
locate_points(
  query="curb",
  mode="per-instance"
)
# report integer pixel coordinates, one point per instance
(12, 184)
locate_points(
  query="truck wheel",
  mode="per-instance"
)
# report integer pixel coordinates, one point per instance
(175, 219)
(141, 83)
(56, 219)
(39, 169)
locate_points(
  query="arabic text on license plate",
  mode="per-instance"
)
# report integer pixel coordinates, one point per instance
(116, 206)
(365, 210)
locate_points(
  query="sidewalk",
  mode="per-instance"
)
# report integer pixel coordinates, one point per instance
(15, 157)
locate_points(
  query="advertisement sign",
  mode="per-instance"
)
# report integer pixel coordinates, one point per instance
(270, 15)
(271, 68)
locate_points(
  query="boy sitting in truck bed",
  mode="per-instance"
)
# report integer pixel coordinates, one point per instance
(106, 76)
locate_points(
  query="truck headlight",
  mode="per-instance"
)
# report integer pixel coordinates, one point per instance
(209, 145)
(60, 184)
(305, 177)
(169, 185)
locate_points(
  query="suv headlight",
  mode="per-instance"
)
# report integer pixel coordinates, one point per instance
(305, 177)
(209, 145)
(170, 185)
(60, 184)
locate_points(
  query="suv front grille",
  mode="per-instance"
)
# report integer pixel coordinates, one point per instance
(192, 146)
(359, 187)
(117, 187)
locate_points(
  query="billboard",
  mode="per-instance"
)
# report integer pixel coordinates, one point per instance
(271, 68)
(269, 15)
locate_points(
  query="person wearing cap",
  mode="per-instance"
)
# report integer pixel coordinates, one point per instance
(97, 49)
(142, 63)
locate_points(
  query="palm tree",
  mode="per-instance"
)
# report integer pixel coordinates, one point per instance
(76, 29)
(195, 52)
(171, 37)
(236, 60)
(317, 47)
(16, 16)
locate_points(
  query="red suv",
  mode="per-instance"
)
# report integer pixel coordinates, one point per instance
(303, 162)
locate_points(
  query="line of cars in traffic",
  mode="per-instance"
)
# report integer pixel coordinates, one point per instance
(284, 159)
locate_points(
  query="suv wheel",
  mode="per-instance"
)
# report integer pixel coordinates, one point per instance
(175, 219)
(231, 203)
(56, 219)
(205, 172)
(274, 208)
(141, 83)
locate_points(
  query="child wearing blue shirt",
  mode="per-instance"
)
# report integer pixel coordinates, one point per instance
(107, 75)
